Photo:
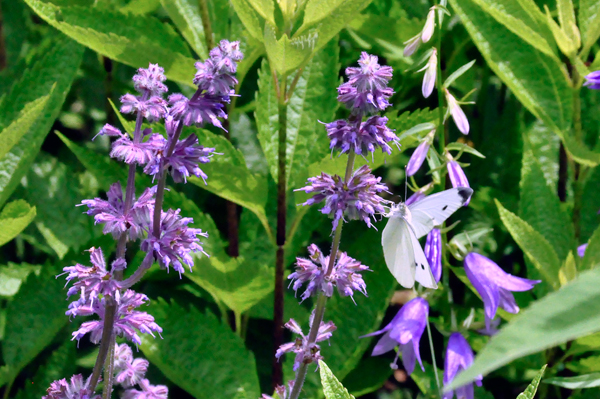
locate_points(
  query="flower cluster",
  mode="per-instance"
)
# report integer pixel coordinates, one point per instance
(77, 388)
(345, 274)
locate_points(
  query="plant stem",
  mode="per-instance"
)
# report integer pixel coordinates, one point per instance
(8, 388)
(109, 370)
(277, 376)
(105, 342)
(322, 299)
(433, 361)
(208, 33)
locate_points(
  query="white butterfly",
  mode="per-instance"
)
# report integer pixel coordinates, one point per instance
(400, 239)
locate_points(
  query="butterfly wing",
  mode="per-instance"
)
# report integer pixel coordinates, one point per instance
(423, 272)
(434, 209)
(398, 251)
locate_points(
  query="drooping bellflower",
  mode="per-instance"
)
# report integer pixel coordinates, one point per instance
(433, 252)
(357, 200)
(405, 330)
(459, 357)
(430, 74)
(592, 80)
(418, 156)
(494, 285)
(345, 274)
(454, 109)
(424, 36)
(457, 175)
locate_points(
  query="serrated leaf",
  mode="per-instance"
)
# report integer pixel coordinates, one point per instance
(324, 19)
(13, 133)
(578, 382)
(589, 23)
(134, 40)
(230, 178)
(561, 316)
(332, 387)
(252, 21)
(14, 218)
(200, 354)
(13, 275)
(285, 54)
(591, 258)
(529, 393)
(536, 78)
(538, 201)
(186, 17)
(51, 75)
(33, 319)
(533, 244)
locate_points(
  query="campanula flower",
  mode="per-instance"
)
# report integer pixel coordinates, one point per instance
(581, 250)
(430, 74)
(418, 156)
(457, 175)
(592, 80)
(460, 119)
(429, 27)
(433, 252)
(459, 356)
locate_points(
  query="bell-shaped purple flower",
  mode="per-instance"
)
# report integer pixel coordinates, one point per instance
(459, 357)
(361, 138)
(148, 391)
(429, 27)
(433, 252)
(345, 274)
(412, 45)
(592, 80)
(75, 389)
(581, 250)
(460, 119)
(405, 331)
(457, 176)
(415, 197)
(357, 200)
(494, 285)
(430, 74)
(418, 157)
(306, 353)
(366, 91)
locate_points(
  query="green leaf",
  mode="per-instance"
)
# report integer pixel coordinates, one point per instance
(51, 75)
(538, 201)
(368, 376)
(561, 316)
(458, 73)
(230, 178)
(544, 145)
(14, 218)
(200, 354)
(591, 258)
(286, 55)
(267, 118)
(529, 393)
(464, 148)
(186, 17)
(589, 23)
(265, 9)
(565, 44)
(578, 382)
(324, 19)
(533, 244)
(402, 123)
(134, 40)
(566, 17)
(580, 152)
(139, 7)
(332, 387)
(590, 219)
(536, 78)
(13, 275)
(34, 317)
(252, 21)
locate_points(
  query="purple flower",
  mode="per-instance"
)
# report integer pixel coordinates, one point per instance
(199, 110)
(418, 157)
(492, 329)
(176, 241)
(184, 159)
(111, 212)
(429, 27)
(404, 330)
(433, 253)
(215, 75)
(592, 80)
(457, 176)
(430, 74)
(371, 134)
(282, 391)
(366, 91)
(581, 250)
(130, 151)
(417, 196)
(494, 285)
(356, 199)
(92, 281)
(150, 80)
(345, 274)
(305, 353)
(127, 320)
(148, 391)
(76, 389)
(460, 119)
(459, 357)
(152, 109)
(129, 371)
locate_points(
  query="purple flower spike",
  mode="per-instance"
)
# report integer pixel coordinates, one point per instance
(305, 353)
(198, 111)
(141, 153)
(92, 281)
(148, 391)
(418, 157)
(459, 356)
(129, 371)
(76, 389)
(111, 212)
(457, 176)
(356, 200)
(345, 275)
(592, 80)
(150, 80)
(372, 134)
(460, 119)
(215, 75)
(366, 91)
(433, 253)
(152, 109)
(430, 74)
(494, 285)
(404, 330)
(581, 250)
(176, 241)
(127, 320)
